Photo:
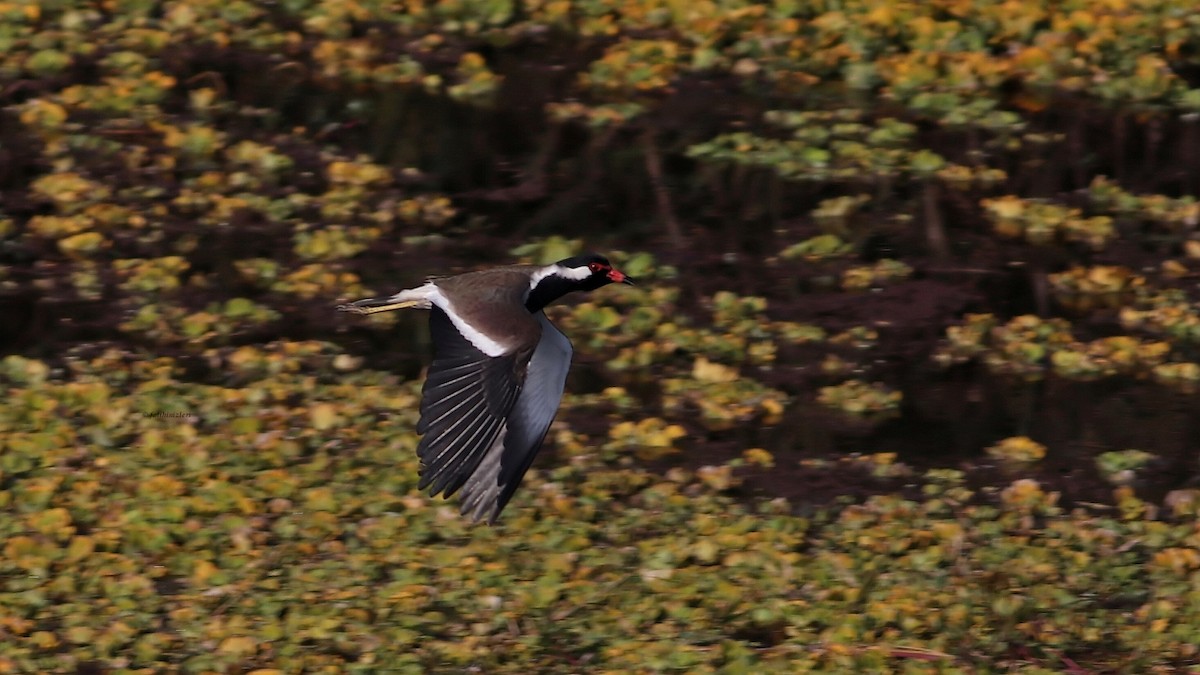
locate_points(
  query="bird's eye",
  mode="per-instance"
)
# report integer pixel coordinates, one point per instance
(595, 267)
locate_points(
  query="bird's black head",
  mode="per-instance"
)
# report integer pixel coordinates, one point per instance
(592, 271)
(585, 272)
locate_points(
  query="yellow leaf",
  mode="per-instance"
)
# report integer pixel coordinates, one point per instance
(760, 457)
(80, 635)
(81, 244)
(1173, 269)
(80, 548)
(717, 477)
(239, 645)
(44, 639)
(772, 407)
(324, 416)
(705, 551)
(707, 371)
(203, 571)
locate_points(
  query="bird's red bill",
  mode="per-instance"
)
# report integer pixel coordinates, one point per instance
(618, 277)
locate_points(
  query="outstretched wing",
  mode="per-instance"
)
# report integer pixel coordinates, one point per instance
(466, 400)
(508, 458)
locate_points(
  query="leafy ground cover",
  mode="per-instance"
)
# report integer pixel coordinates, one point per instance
(272, 523)
(909, 385)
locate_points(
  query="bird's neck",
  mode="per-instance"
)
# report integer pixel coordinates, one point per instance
(547, 289)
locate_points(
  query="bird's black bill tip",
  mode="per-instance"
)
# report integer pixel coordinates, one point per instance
(628, 280)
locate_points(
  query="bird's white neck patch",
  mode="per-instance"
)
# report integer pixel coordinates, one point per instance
(572, 273)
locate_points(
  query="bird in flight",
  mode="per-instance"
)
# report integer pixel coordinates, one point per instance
(497, 375)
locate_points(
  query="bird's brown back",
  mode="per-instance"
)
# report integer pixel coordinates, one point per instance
(493, 301)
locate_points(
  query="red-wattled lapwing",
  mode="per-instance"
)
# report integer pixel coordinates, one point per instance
(497, 375)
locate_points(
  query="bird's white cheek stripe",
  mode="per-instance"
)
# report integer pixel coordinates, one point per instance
(477, 339)
(574, 273)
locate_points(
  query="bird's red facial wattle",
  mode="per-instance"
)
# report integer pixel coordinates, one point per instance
(614, 275)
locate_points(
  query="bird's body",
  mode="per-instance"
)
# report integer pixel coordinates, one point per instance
(497, 374)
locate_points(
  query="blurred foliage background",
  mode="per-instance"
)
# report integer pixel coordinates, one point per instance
(908, 384)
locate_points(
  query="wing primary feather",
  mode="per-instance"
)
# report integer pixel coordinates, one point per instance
(443, 410)
(465, 400)
(452, 481)
(499, 472)
(462, 456)
(455, 458)
(439, 430)
(476, 450)
(480, 492)
(441, 379)
(446, 443)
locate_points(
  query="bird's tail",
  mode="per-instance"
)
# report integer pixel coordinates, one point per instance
(421, 297)
(376, 305)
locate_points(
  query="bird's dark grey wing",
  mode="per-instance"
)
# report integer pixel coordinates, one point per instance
(500, 472)
(466, 399)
